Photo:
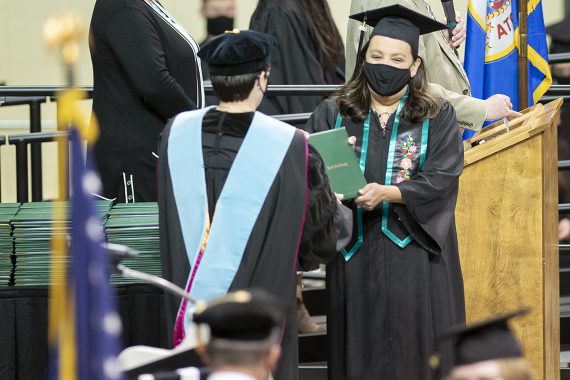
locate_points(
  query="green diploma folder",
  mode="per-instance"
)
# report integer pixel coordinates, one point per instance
(343, 168)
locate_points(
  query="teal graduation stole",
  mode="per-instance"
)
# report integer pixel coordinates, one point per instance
(390, 178)
(216, 251)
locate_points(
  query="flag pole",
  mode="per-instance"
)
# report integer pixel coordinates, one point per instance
(523, 54)
(62, 34)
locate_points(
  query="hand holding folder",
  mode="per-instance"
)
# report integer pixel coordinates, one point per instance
(342, 166)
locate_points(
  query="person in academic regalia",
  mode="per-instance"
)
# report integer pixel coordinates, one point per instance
(399, 282)
(145, 72)
(245, 328)
(243, 198)
(309, 50)
(485, 350)
(443, 67)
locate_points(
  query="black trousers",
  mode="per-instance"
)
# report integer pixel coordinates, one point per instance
(128, 175)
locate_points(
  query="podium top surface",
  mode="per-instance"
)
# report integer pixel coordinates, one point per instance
(498, 136)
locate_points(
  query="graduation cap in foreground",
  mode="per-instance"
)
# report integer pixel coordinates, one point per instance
(237, 52)
(397, 22)
(491, 339)
(242, 316)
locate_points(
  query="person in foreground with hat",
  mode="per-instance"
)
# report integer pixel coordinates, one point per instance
(399, 281)
(243, 198)
(487, 350)
(245, 328)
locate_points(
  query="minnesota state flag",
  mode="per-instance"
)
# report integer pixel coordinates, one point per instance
(491, 50)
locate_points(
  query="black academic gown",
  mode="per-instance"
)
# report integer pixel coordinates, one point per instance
(144, 73)
(387, 304)
(294, 60)
(269, 261)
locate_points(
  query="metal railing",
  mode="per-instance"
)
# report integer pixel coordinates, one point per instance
(34, 104)
(21, 143)
(34, 96)
(559, 58)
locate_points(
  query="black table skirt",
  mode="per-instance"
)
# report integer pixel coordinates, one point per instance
(23, 326)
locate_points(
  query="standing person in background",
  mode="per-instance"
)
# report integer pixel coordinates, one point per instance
(560, 35)
(309, 50)
(444, 69)
(145, 71)
(219, 15)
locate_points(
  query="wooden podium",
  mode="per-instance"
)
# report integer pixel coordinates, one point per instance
(507, 226)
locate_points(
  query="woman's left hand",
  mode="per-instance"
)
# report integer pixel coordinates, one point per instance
(371, 196)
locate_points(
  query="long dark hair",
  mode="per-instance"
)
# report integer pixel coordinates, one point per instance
(354, 99)
(323, 32)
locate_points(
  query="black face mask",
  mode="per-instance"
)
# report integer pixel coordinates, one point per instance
(386, 80)
(218, 25)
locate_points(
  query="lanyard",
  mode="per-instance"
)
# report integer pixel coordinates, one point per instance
(365, 137)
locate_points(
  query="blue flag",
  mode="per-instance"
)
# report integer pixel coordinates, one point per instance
(98, 325)
(491, 55)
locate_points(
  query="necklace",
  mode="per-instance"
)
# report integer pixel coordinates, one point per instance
(363, 155)
(383, 117)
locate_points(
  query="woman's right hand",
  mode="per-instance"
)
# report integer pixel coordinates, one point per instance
(352, 141)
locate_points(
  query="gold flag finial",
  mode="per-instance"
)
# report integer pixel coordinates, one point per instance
(64, 32)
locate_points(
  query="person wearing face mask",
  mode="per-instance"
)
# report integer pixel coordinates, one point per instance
(243, 198)
(444, 69)
(399, 281)
(219, 15)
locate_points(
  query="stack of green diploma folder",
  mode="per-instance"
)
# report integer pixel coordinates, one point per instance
(33, 229)
(27, 230)
(342, 166)
(136, 226)
(7, 258)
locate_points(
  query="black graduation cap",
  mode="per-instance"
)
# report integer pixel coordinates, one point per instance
(399, 22)
(241, 316)
(237, 52)
(560, 34)
(487, 340)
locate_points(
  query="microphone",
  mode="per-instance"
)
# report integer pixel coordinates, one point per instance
(449, 11)
(117, 253)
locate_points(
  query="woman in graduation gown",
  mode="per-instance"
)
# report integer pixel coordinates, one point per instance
(399, 283)
(309, 50)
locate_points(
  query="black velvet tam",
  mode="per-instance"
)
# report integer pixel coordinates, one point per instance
(399, 22)
(487, 340)
(237, 52)
(241, 316)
